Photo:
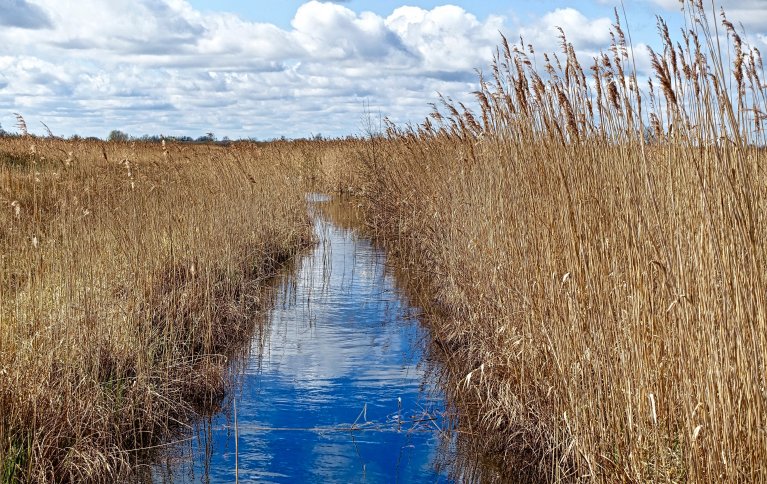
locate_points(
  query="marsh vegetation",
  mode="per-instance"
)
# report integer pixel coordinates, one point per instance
(594, 248)
(128, 273)
(588, 247)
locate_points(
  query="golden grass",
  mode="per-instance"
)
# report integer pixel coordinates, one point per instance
(128, 273)
(601, 286)
(591, 255)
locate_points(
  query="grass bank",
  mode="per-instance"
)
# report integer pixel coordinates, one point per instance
(128, 273)
(593, 249)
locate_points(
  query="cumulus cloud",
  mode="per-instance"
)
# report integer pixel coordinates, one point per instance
(137, 27)
(105, 62)
(446, 38)
(330, 31)
(161, 66)
(585, 34)
(23, 14)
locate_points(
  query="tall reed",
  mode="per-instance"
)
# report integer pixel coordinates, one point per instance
(594, 244)
(128, 273)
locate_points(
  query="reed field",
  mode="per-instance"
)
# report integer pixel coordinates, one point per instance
(129, 273)
(588, 247)
(593, 245)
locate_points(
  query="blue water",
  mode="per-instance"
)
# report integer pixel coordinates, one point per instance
(334, 389)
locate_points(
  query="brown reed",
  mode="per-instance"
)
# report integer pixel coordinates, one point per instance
(129, 272)
(598, 251)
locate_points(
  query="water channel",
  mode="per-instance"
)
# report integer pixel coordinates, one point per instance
(335, 387)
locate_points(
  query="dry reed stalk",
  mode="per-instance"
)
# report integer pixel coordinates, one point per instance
(124, 286)
(608, 279)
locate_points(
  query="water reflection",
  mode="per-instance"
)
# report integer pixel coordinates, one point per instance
(334, 389)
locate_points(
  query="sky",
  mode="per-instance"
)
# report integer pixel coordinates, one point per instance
(267, 68)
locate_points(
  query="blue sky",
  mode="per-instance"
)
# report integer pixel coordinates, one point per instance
(270, 68)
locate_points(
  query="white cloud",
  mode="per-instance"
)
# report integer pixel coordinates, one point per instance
(135, 65)
(329, 31)
(161, 66)
(125, 26)
(446, 38)
(583, 33)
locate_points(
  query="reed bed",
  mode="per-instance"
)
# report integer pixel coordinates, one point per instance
(129, 273)
(588, 246)
(592, 245)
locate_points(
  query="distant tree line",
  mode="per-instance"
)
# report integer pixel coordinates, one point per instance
(119, 136)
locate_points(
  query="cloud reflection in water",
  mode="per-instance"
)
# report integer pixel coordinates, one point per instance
(343, 347)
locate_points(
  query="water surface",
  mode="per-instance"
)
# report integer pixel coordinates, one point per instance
(334, 388)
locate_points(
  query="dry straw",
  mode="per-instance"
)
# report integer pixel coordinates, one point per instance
(124, 289)
(599, 248)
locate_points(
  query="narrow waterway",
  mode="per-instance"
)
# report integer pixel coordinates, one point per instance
(334, 388)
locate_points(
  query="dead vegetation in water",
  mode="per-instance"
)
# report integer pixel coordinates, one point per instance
(128, 273)
(596, 245)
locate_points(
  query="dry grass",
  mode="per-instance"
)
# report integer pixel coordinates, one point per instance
(600, 285)
(592, 256)
(128, 273)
